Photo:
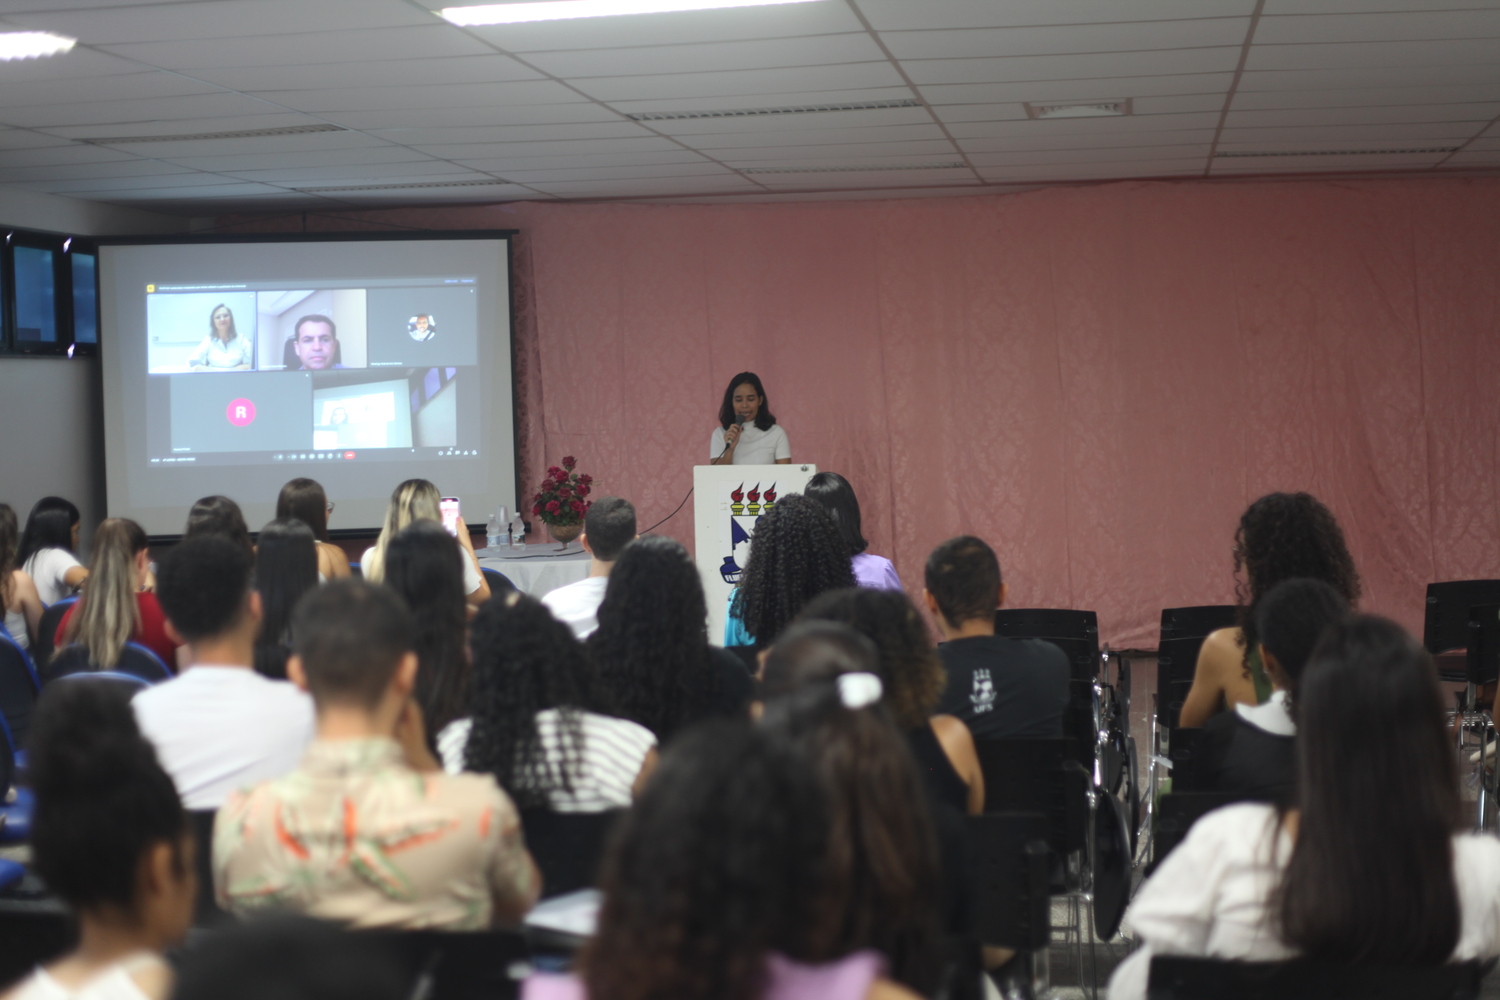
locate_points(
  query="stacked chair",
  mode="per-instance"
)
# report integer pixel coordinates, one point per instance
(1465, 615)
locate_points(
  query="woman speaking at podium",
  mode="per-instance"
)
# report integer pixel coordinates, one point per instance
(747, 433)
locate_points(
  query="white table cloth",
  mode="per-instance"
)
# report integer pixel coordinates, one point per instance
(538, 569)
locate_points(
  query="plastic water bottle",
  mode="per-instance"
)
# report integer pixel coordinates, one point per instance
(518, 532)
(492, 532)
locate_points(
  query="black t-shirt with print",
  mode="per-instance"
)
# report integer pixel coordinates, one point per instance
(1005, 689)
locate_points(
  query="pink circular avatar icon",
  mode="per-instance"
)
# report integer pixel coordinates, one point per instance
(241, 412)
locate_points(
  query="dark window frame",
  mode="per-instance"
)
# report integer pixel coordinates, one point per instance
(63, 248)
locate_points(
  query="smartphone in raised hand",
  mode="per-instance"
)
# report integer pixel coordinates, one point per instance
(448, 507)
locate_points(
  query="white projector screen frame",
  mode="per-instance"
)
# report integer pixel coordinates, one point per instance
(158, 457)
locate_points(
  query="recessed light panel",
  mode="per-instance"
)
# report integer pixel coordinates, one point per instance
(1089, 109)
(562, 10)
(33, 44)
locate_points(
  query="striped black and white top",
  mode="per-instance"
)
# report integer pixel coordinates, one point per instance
(612, 753)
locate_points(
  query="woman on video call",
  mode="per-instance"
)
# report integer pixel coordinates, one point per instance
(223, 347)
(747, 433)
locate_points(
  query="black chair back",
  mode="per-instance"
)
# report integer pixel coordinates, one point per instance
(7, 760)
(1038, 776)
(1113, 865)
(1177, 812)
(1176, 978)
(136, 660)
(1048, 623)
(1183, 752)
(567, 847)
(206, 912)
(1483, 654)
(1009, 871)
(36, 929)
(1197, 621)
(447, 965)
(18, 690)
(499, 583)
(1446, 624)
(42, 646)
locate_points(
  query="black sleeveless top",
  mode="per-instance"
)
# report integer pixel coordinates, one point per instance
(942, 779)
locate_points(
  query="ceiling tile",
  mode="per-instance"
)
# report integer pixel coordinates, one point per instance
(439, 41)
(1058, 91)
(562, 161)
(1093, 66)
(1337, 136)
(1379, 55)
(291, 155)
(815, 121)
(1474, 158)
(158, 22)
(1322, 164)
(820, 50)
(938, 149)
(445, 196)
(630, 188)
(390, 173)
(464, 118)
(404, 98)
(1399, 114)
(71, 66)
(93, 170)
(904, 15)
(149, 113)
(618, 128)
(1252, 100)
(1191, 167)
(1099, 143)
(1371, 76)
(284, 146)
(72, 153)
(1043, 157)
(1068, 39)
(1374, 27)
(96, 186)
(184, 126)
(17, 138)
(874, 180)
(693, 27)
(147, 84)
(376, 73)
(1096, 127)
(849, 76)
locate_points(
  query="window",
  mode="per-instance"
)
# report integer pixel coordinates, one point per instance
(36, 295)
(85, 299)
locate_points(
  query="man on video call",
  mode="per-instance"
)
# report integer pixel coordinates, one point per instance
(317, 343)
(421, 328)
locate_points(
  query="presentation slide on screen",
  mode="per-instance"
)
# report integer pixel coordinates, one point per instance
(232, 367)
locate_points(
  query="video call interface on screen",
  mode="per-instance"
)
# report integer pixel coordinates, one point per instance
(256, 373)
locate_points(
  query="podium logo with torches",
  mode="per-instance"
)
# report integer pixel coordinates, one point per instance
(742, 518)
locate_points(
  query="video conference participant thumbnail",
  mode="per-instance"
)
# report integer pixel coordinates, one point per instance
(368, 414)
(423, 325)
(200, 331)
(241, 411)
(311, 330)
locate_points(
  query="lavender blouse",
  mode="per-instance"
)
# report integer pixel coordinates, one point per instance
(875, 572)
(849, 978)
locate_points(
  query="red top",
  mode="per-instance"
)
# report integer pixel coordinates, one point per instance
(152, 633)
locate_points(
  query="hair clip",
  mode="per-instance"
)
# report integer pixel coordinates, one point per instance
(859, 690)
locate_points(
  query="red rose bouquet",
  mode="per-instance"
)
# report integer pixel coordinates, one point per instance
(563, 499)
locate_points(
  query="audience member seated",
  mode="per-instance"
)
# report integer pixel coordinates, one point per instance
(286, 567)
(47, 546)
(1369, 867)
(1001, 688)
(305, 500)
(110, 838)
(18, 595)
(713, 889)
(798, 554)
(837, 497)
(425, 567)
(651, 650)
(1251, 752)
(117, 608)
(369, 831)
(532, 728)
(417, 500)
(219, 516)
(220, 725)
(608, 527)
(914, 680)
(1281, 536)
(823, 697)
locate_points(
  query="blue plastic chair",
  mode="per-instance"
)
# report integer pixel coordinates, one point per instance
(135, 660)
(19, 687)
(16, 804)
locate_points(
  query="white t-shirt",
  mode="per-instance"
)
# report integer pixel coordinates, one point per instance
(1211, 897)
(472, 577)
(15, 624)
(756, 447)
(46, 569)
(219, 729)
(214, 353)
(612, 754)
(577, 604)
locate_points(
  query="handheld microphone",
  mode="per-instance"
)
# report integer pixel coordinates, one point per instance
(739, 420)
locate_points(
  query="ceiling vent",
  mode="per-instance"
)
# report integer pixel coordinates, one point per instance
(121, 140)
(954, 165)
(800, 109)
(1338, 152)
(1093, 109)
(400, 187)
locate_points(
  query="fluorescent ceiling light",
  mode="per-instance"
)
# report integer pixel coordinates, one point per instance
(561, 10)
(33, 44)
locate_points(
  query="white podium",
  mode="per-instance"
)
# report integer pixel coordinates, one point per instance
(727, 501)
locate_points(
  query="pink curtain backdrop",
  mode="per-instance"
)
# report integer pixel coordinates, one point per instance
(1097, 380)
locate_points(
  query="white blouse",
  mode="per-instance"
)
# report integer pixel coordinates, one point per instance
(1210, 898)
(214, 353)
(756, 447)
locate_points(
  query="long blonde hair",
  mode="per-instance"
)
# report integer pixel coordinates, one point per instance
(108, 615)
(414, 500)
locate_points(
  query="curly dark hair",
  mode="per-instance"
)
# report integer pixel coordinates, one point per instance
(525, 661)
(909, 665)
(718, 864)
(651, 650)
(796, 555)
(1283, 536)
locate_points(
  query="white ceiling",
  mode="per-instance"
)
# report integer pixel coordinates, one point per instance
(539, 111)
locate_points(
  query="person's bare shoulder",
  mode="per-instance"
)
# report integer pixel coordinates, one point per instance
(885, 989)
(1222, 650)
(154, 980)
